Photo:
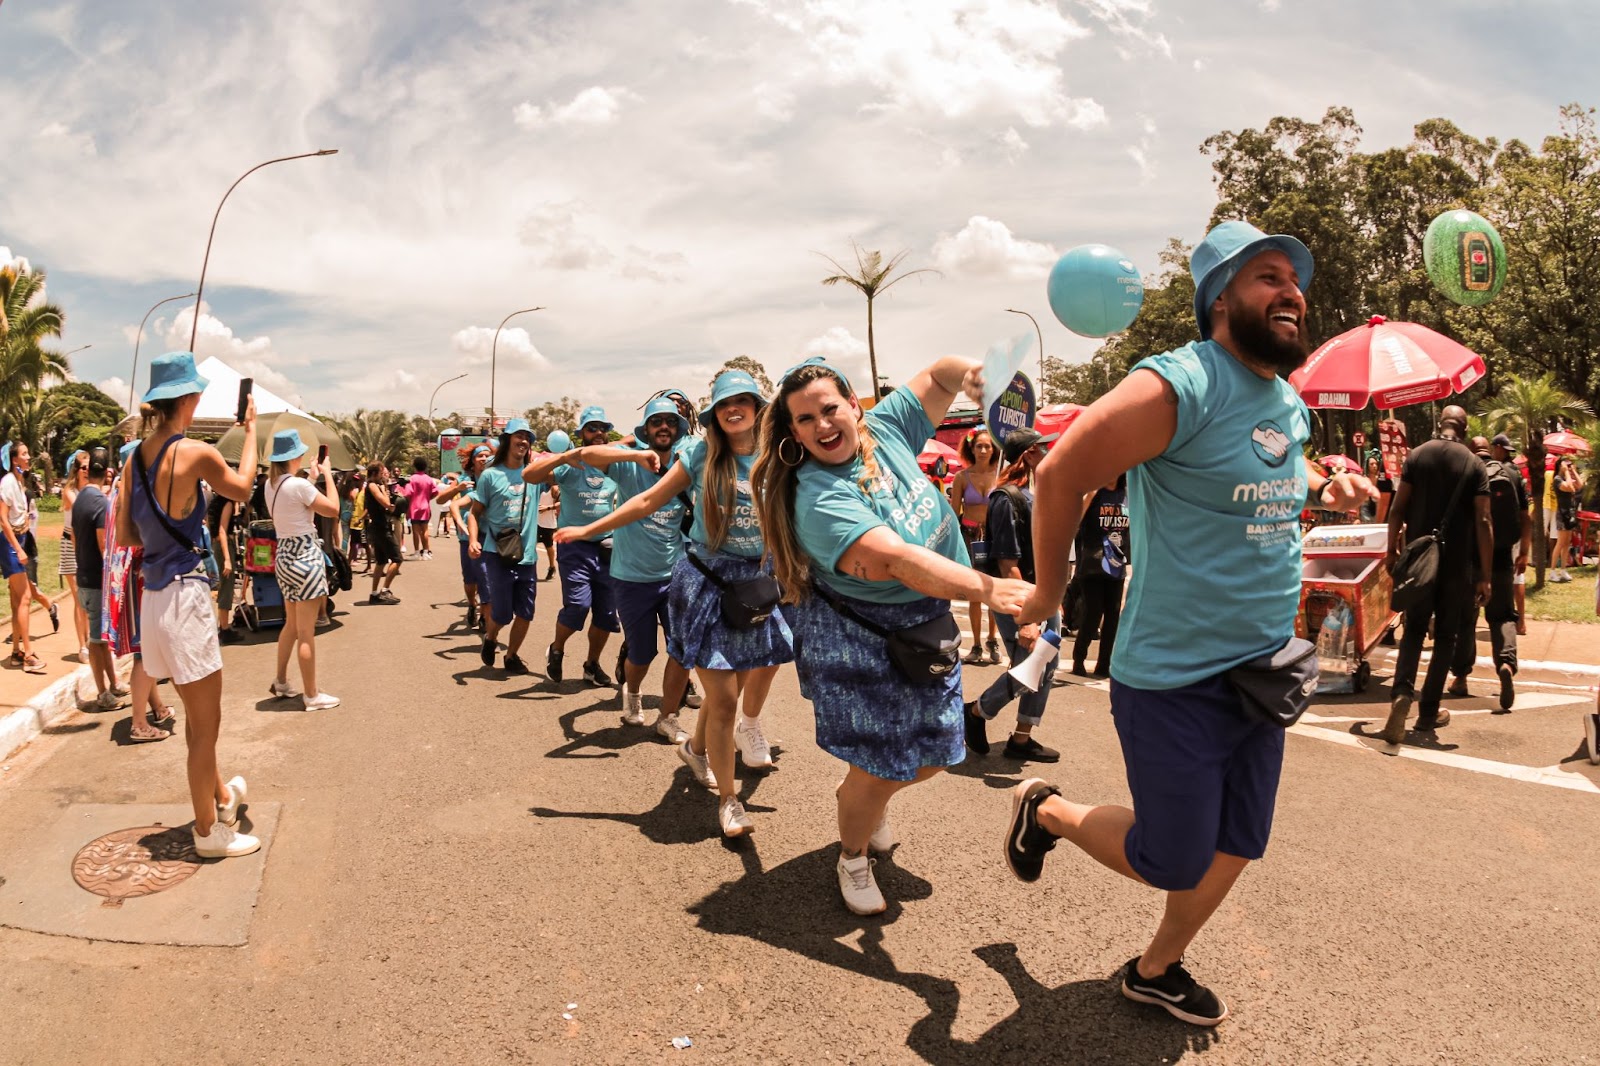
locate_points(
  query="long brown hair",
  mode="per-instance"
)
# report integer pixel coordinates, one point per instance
(773, 480)
(722, 470)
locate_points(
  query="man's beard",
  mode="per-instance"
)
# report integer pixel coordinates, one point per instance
(1256, 341)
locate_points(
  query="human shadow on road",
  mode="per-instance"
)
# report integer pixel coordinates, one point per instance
(687, 814)
(1414, 739)
(609, 740)
(990, 769)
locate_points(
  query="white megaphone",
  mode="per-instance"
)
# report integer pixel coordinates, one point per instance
(1030, 671)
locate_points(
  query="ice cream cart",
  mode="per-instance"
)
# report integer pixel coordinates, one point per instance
(1343, 575)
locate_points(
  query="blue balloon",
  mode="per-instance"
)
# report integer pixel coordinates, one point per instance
(558, 442)
(1095, 290)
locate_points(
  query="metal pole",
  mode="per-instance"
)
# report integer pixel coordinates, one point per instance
(494, 350)
(133, 380)
(431, 427)
(1040, 332)
(201, 288)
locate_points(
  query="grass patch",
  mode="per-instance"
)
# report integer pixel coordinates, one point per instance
(1570, 601)
(49, 539)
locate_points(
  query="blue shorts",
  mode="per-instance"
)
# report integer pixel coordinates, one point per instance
(471, 569)
(1204, 778)
(585, 584)
(92, 601)
(508, 590)
(642, 610)
(9, 563)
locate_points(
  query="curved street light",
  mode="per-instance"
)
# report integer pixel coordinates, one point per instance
(494, 350)
(1040, 332)
(431, 427)
(201, 288)
(133, 379)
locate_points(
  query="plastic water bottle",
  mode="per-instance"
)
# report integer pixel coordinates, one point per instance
(1333, 641)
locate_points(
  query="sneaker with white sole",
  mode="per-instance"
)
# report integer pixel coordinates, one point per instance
(667, 725)
(224, 842)
(228, 813)
(1175, 992)
(883, 837)
(322, 701)
(284, 690)
(1591, 733)
(858, 887)
(107, 701)
(735, 822)
(752, 743)
(632, 708)
(691, 697)
(699, 765)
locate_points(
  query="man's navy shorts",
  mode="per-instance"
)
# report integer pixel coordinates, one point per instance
(1204, 778)
(508, 590)
(471, 569)
(642, 610)
(585, 584)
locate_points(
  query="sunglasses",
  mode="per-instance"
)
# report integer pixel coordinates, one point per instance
(659, 421)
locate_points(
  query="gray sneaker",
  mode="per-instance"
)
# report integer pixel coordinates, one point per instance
(699, 765)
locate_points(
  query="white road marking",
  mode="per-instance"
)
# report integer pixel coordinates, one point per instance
(1526, 701)
(1552, 776)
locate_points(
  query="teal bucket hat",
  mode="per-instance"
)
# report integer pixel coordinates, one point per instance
(517, 425)
(1225, 250)
(661, 405)
(173, 375)
(730, 383)
(286, 445)
(594, 413)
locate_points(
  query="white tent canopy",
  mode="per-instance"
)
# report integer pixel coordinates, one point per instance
(220, 401)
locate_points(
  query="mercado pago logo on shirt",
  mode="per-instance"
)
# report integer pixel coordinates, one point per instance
(1272, 445)
(915, 510)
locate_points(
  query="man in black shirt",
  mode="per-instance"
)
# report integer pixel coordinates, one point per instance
(1433, 474)
(1513, 540)
(89, 543)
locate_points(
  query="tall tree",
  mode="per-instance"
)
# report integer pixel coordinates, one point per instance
(26, 365)
(552, 415)
(374, 436)
(872, 278)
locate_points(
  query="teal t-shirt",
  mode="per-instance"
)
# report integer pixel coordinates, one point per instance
(647, 549)
(1216, 565)
(588, 494)
(832, 511)
(508, 501)
(743, 535)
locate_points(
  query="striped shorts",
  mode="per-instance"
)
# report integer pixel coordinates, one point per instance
(301, 570)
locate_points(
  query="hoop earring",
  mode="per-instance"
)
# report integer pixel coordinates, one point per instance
(784, 458)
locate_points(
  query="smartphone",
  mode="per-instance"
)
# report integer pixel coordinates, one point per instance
(322, 454)
(245, 385)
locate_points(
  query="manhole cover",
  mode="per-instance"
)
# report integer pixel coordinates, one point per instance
(136, 862)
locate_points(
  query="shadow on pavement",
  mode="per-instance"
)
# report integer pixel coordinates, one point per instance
(1414, 739)
(687, 814)
(988, 769)
(609, 740)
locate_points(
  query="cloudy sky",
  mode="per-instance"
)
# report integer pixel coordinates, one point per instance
(660, 176)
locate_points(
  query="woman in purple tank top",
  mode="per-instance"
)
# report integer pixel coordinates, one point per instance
(165, 514)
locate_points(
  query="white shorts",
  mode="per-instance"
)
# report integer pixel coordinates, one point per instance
(178, 632)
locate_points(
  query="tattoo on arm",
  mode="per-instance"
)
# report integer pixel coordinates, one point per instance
(860, 570)
(1169, 393)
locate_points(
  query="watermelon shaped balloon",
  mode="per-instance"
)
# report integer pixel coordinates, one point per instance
(1465, 257)
(1095, 290)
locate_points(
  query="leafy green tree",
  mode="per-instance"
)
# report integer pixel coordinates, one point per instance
(83, 417)
(375, 436)
(872, 278)
(27, 320)
(552, 415)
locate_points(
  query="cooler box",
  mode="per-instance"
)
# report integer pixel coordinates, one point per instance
(268, 599)
(1344, 564)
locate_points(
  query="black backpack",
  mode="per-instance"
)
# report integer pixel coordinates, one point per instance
(1022, 522)
(1505, 514)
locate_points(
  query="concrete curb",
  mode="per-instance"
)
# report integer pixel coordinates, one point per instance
(55, 702)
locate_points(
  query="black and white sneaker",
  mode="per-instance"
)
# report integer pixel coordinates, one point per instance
(1175, 992)
(1027, 842)
(977, 727)
(596, 675)
(515, 665)
(552, 664)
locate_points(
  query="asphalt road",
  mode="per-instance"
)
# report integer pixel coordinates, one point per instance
(462, 855)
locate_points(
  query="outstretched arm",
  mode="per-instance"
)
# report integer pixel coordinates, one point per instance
(937, 385)
(881, 555)
(637, 507)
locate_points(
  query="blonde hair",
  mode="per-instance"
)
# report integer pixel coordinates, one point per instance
(773, 480)
(717, 498)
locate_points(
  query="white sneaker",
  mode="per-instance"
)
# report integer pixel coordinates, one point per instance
(83, 655)
(1591, 730)
(284, 690)
(632, 708)
(667, 725)
(691, 698)
(752, 745)
(699, 765)
(859, 887)
(322, 701)
(735, 822)
(228, 813)
(883, 837)
(107, 701)
(224, 843)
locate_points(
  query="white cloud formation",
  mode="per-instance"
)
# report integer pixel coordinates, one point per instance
(1013, 143)
(116, 388)
(846, 352)
(254, 358)
(985, 247)
(16, 263)
(594, 106)
(1141, 151)
(476, 344)
(58, 137)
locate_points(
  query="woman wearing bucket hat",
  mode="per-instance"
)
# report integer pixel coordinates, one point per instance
(164, 513)
(726, 624)
(451, 499)
(869, 556)
(300, 566)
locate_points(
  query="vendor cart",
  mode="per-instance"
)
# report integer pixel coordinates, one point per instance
(1344, 566)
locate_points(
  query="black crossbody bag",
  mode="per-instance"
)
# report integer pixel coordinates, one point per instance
(1416, 567)
(1276, 689)
(745, 604)
(925, 653)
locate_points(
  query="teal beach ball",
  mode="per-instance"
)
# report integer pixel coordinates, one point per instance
(1464, 257)
(1095, 290)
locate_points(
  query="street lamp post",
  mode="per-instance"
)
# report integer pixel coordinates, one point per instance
(1040, 332)
(431, 427)
(201, 288)
(133, 380)
(494, 350)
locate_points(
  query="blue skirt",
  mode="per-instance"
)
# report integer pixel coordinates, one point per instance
(868, 713)
(700, 638)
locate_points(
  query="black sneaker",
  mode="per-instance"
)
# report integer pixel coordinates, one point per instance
(1508, 688)
(486, 653)
(1028, 842)
(622, 663)
(1078, 670)
(1175, 992)
(1030, 750)
(472, 617)
(977, 729)
(596, 675)
(515, 665)
(552, 664)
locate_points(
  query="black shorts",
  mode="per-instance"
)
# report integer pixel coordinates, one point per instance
(384, 550)
(547, 537)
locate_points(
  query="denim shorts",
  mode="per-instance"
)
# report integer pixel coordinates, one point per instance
(642, 610)
(1204, 778)
(508, 590)
(9, 563)
(92, 601)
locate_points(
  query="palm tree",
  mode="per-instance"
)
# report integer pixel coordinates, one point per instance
(871, 278)
(373, 436)
(1525, 407)
(25, 321)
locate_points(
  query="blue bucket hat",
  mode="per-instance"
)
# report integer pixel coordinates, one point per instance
(173, 375)
(558, 441)
(125, 451)
(817, 360)
(1225, 250)
(661, 405)
(731, 383)
(594, 413)
(286, 444)
(517, 425)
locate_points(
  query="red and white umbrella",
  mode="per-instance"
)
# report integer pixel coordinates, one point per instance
(936, 450)
(1056, 418)
(1565, 443)
(1387, 365)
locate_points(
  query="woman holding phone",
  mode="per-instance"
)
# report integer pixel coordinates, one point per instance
(300, 568)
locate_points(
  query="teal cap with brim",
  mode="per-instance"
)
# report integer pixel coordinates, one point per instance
(730, 383)
(1224, 252)
(660, 406)
(517, 425)
(594, 415)
(173, 375)
(286, 445)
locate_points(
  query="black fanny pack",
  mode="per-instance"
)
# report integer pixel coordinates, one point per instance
(508, 545)
(1277, 688)
(925, 653)
(745, 604)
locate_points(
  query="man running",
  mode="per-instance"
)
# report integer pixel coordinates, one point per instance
(1210, 435)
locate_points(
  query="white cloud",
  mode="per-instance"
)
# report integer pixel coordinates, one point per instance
(1013, 143)
(254, 358)
(1141, 152)
(594, 106)
(1271, 5)
(58, 137)
(17, 263)
(985, 247)
(116, 388)
(1129, 19)
(846, 352)
(476, 344)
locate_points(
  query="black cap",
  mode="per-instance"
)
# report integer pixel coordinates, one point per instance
(1020, 440)
(1502, 441)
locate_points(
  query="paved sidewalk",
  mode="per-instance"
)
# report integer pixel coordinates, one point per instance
(29, 703)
